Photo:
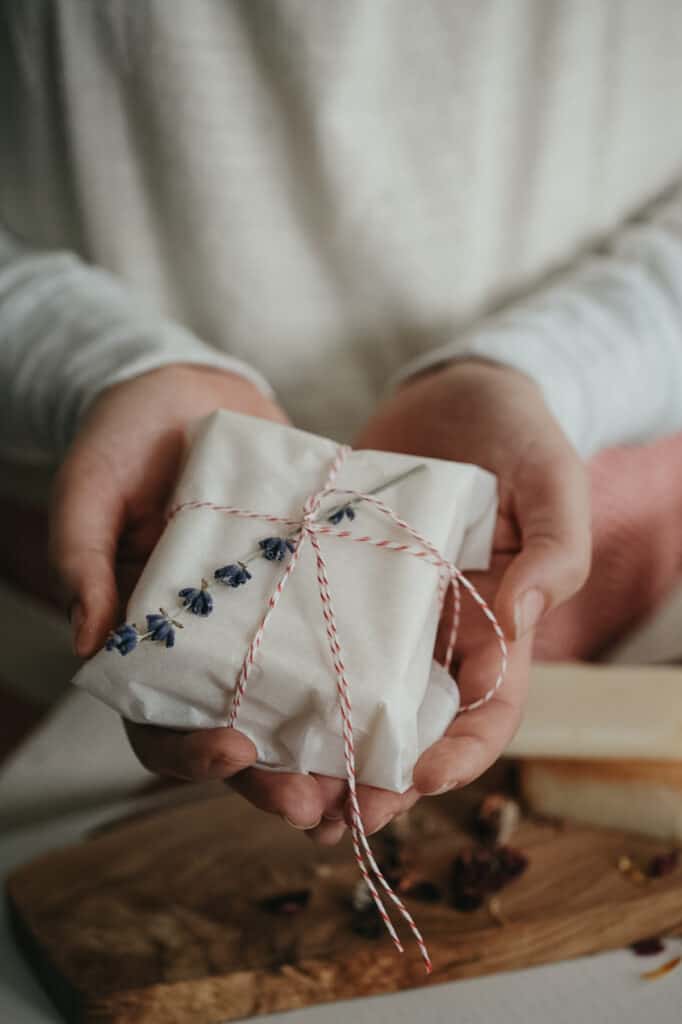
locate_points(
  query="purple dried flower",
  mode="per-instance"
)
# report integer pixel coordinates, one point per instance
(233, 575)
(161, 629)
(124, 639)
(275, 548)
(335, 518)
(197, 600)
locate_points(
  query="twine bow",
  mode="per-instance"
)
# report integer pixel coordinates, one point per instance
(308, 530)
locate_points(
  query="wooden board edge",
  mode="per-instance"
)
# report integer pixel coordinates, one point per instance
(374, 972)
(64, 996)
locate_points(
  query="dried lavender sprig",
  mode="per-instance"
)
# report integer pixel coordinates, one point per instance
(206, 584)
(257, 553)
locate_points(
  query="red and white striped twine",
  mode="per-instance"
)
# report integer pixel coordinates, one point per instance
(449, 576)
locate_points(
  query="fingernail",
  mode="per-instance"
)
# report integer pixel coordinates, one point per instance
(382, 824)
(528, 611)
(328, 833)
(443, 789)
(76, 618)
(301, 828)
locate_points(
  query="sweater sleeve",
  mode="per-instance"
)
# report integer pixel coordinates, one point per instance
(603, 341)
(68, 331)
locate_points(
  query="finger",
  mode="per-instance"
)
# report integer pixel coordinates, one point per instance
(295, 797)
(332, 827)
(197, 756)
(85, 523)
(474, 740)
(552, 505)
(328, 833)
(334, 793)
(378, 807)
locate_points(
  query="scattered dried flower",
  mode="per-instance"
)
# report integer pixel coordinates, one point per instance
(286, 902)
(496, 818)
(467, 900)
(424, 891)
(663, 864)
(648, 947)
(478, 872)
(664, 969)
(367, 923)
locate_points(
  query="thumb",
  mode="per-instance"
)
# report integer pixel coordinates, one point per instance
(552, 506)
(85, 522)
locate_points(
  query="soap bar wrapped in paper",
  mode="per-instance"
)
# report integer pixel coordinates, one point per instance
(386, 602)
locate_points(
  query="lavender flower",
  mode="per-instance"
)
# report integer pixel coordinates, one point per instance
(161, 628)
(233, 575)
(197, 600)
(275, 548)
(124, 639)
(347, 511)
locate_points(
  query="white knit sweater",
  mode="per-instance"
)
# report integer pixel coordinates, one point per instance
(326, 195)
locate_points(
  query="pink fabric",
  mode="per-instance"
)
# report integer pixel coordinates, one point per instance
(637, 550)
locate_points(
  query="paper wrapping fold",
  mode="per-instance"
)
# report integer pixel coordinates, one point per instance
(385, 604)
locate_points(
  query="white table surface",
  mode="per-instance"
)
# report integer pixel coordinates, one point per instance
(76, 772)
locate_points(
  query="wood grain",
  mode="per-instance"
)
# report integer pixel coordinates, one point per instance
(159, 921)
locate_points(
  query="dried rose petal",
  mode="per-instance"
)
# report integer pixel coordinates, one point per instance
(367, 923)
(663, 864)
(467, 900)
(648, 947)
(286, 902)
(473, 868)
(478, 872)
(512, 863)
(425, 891)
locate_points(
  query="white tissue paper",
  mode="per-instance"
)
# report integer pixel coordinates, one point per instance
(386, 604)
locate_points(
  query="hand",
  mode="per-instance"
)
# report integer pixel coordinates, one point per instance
(106, 516)
(493, 417)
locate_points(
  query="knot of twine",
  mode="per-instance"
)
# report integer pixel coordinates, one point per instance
(308, 529)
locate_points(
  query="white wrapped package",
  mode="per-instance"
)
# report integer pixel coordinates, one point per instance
(385, 602)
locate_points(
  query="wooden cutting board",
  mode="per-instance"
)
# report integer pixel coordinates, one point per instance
(166, 920)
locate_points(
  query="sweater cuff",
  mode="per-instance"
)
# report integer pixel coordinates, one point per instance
(504, 345)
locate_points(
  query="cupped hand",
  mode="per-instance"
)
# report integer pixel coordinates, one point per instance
(106, 515)
(493, 417)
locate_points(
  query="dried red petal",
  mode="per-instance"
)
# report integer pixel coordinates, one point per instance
(286, 902)
(648, 947)
(425, 891)
(367, 923)
(468, 900)
(663, 864)
(483, 871)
